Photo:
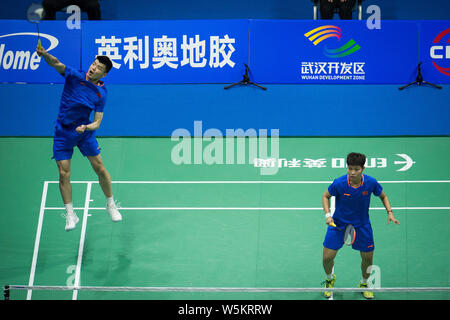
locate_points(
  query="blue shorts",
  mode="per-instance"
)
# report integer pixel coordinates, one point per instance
(66, 138)
(334, 239)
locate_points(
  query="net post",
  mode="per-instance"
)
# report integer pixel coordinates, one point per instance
(6, 292)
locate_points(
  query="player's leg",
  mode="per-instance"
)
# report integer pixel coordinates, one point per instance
(89, 148)
(364, 242)
(334, 240)
(328, 260)
(328, 264)
(63, 144)
(104, 178)
(66, 193)
(64, 180)
(366, 263)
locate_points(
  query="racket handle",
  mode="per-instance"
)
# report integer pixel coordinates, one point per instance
(39, 43)
(332, 224)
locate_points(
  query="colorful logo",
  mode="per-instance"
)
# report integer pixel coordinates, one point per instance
(439, 51)
(322, 33)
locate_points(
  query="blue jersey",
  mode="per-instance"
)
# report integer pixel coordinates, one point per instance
(79, 98)
(352, 204)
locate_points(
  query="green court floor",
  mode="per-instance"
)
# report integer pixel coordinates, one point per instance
(219, 225)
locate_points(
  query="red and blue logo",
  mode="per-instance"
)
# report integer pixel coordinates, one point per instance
(440, 52)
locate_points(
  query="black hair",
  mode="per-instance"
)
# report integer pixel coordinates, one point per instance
(356, 159)
(106, 61)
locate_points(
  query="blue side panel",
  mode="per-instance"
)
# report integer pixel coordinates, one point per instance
(296, 110)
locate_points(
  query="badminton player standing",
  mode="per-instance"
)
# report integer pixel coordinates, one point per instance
(82, 94)
(352, 193)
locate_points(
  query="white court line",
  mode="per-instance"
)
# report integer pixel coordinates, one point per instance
(82, 237)
(246, 208)
(46, 183)
(38, 239)
(229, 289)
(251, 182)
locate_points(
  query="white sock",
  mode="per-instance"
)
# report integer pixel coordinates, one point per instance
(364, 280)
(69, 207)
(330, 276)
(110, 201)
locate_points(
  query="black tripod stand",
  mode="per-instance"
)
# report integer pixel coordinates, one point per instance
(245, 80)
(419, 80)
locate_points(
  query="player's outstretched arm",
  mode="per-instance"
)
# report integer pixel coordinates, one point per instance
(51, 60)
(384, 198)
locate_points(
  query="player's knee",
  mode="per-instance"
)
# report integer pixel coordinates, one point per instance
(98, 168)
(367, 256)
(328, 256)
(101, 171)
(64, 170)
(64, 174)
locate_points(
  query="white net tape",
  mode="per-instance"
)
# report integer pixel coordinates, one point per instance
(226, 289)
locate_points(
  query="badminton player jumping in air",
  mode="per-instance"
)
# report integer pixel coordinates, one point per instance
(82, 94)
(352, 192)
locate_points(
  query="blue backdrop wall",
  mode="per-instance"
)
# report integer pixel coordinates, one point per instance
(296, 110)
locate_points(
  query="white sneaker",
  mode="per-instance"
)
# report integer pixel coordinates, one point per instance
(71, 221)
(114, 213)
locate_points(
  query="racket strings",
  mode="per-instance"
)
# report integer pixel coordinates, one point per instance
(349, 235)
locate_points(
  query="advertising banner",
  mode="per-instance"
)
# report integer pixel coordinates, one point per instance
(435, 51)
(19, 61)
(196, 51)
(215, 51)
(333, 51)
